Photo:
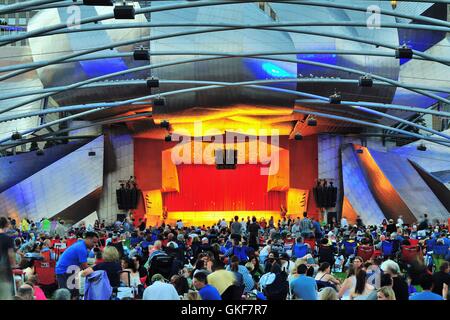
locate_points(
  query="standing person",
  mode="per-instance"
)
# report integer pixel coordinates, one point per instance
(359, 222)
(400, 221)
(344, 222)
(306, 226)
(253, 234)
(7, 261)
(399, 285)
(441, 280)
(236, 229)
(74, 257)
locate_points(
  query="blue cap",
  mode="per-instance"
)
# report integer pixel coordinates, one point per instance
(261, 296)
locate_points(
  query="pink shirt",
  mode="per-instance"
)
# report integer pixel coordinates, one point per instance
(39, 294)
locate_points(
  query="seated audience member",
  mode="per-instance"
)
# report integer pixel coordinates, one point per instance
(441, 280)
(25, 292)
(129, 276)
(325, 278)
(399, 285)
(160, 290)
(110, 264)
(304, 287)
(362, 289)
(220, 278)
(426, 282)
(275, 286)
(62, 294)
(385, 293)
(328, 293)
(206, 291)
(38, 292)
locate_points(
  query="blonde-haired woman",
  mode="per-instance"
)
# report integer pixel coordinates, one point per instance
(111, 264)
(385, 293)
(328, 293)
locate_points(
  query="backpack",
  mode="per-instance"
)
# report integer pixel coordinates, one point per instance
(278, 289)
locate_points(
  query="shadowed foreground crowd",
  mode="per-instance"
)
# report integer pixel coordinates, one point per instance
(296, 258)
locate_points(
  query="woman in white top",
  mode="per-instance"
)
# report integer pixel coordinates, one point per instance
(129, 267)
(362, 289)
(348, 285)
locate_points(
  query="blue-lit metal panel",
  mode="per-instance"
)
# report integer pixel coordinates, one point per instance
(58, 186)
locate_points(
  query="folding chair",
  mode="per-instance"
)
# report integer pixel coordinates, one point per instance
(409, 253)
(45, 272)
(365, 252)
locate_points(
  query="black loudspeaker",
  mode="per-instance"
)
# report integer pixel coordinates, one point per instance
(403, 53)
(335, 98)
(325, 196)
(141, 54)
(330, 217)
(152, 83)
(98, 3)
(121, 216)
(127, 198)
(365, 81)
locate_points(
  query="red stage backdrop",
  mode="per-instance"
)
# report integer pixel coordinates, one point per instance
(205, 188)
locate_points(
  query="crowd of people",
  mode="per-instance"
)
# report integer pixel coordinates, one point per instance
(245, 258)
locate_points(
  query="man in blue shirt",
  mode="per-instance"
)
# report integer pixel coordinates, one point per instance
(426, 282)
(304, 287)
(206, 291)
(73, 259)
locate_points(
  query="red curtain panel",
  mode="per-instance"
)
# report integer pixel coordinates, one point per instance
(205, 188)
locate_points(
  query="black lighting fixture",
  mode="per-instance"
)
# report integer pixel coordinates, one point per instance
(34, 146)
(394, 4)
(91, 154)
(159, 102)
(403, 52)
(335, 98)
(312, 122)
(141, 53)
(365, 81)
(124, 11)
(168, 138)
(16, 136)
(108, 3)
(421, 147)
(152, 82)
(165, 124)
(49, 144)
(40, 152)
(359, 151)
(298, 136)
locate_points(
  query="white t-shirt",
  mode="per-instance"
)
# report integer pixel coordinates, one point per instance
(160, 291)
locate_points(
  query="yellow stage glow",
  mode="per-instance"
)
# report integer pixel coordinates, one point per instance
(208, 218)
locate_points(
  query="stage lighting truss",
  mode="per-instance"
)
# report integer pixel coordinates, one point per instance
(421, 147)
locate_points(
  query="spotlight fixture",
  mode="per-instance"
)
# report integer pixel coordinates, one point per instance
(108, 3)
(40, 152)
(48, 144)
(91, 154)
(34, 146)
(421, 147)
(360, 151)
(160, 102)
(335, 98)
(165, 124)
(312, 122)
(298, 136)
(168, 138)
(152, 82)
(403, 52)
(141, 54)
(394, 4)
(124, 11)
(366, 81)
(16, 136)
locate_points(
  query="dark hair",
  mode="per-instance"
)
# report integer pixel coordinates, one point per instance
(324, 241)
(305, 214)
(426, 281)
(324, 266)
(361, 276)
(386, 280)
(90, 234)
(131, 264)
(254, 219)
(276, 268)
(234, 264)
(444, 266)
(236, 218)
(202, 277)
(301, 269)
(3, 222)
